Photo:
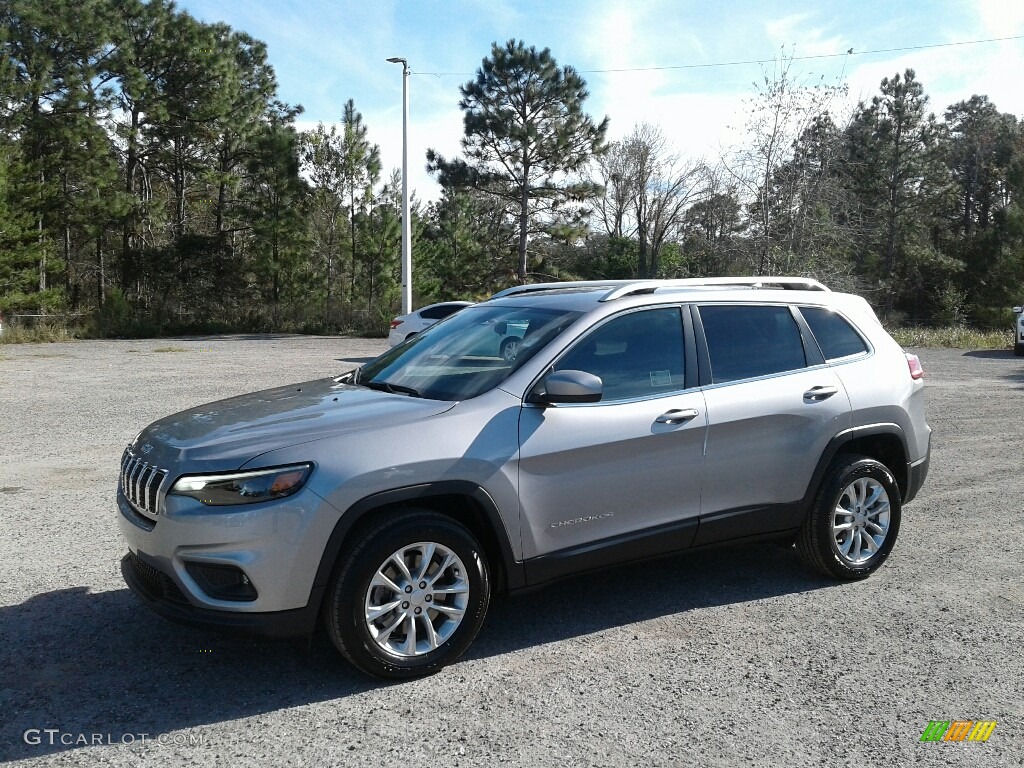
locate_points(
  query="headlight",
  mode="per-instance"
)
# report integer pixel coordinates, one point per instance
(243, 487)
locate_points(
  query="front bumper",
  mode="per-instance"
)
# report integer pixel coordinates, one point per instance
(159, 592)
(277, 545)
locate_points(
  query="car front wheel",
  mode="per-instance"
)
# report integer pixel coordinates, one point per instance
(510, 349)
(852, 527)
(410, 595)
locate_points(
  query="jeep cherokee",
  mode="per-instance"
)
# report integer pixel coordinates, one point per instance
(633, 420)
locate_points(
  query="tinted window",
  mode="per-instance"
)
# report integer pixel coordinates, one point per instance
(748, 341)
(833, 334)
(636, 355)
(440, 312)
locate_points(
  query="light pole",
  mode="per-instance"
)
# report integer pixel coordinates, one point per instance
(406, 224)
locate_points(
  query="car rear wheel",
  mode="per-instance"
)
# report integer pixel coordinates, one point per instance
(1018, 350)
(410, 595)
(852, 527)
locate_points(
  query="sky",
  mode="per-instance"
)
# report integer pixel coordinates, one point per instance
(328, 51)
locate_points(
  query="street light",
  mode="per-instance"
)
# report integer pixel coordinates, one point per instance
(406, 224)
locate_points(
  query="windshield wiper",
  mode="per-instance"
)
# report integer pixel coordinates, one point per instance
(395, 389)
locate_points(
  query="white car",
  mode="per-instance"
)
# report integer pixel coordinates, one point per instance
(1018, 332)
(404, 326)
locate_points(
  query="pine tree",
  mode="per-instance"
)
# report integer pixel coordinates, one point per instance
(895, 164)
(526, 140)
(360, 163)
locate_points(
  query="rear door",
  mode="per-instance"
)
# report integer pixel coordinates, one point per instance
(773, 404)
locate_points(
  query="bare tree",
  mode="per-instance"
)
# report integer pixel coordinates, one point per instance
(782, 111)
(647, 190)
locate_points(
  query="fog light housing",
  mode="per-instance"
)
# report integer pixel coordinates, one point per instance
(222, 582)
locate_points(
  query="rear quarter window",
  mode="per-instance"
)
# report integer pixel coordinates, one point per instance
(835, 336)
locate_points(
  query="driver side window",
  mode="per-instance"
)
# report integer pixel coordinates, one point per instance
(639, 354)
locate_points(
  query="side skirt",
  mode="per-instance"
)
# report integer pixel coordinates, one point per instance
(721, 529)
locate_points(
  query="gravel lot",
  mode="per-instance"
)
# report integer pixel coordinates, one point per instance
(733, 657)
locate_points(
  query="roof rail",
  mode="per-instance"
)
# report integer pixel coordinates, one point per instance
(619, 288)
(518, 290)
(632, 288)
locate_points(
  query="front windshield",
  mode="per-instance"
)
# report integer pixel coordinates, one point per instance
(468, 354)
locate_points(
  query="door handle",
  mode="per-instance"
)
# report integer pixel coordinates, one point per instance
(818, 394)
(677, 416)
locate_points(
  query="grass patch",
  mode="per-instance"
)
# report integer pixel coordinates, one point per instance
(41, 332)
(170, 349)
(955, 337)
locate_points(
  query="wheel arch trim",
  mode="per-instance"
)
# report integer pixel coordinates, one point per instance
(846, 437)
(511, 569)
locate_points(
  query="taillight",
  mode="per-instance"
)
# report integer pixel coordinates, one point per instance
(914, 364)
(396, 323)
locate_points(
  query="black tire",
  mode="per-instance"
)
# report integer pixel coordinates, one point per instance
(509, 349)
(817, 543)
(345, 615)
(1018, 350)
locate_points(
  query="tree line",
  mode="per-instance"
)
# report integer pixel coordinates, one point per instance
(151, 180)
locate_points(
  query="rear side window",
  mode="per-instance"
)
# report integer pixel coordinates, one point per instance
(440, 312)
(834, 335)
(749, 341)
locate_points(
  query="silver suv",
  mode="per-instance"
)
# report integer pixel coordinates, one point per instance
(636, 419)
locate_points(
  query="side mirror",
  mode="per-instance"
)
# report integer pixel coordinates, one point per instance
(568, 387)
(501, 328)
(1018, 310)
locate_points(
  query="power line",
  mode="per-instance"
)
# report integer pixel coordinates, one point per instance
(850, 52)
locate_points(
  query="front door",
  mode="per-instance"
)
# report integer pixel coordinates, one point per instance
(614, 471)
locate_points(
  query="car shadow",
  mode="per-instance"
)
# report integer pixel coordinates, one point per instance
(1015, 375)
(360, 360)
(670, 586)
(102, 663)
(990, 353)
(90, 663)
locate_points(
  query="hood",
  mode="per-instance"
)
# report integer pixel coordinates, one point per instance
(227, 433)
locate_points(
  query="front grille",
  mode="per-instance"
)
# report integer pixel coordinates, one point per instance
(141, 483)
(157, 583)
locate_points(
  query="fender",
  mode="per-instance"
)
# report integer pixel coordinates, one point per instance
(835, 446)
(492, 521)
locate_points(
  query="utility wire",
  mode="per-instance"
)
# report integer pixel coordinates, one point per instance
(850, 52)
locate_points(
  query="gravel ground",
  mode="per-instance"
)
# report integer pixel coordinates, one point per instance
(733, 657)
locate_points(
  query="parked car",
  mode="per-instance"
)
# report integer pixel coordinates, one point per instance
(1018, 332)
(406, 326)
(1, 323)
(636, 419)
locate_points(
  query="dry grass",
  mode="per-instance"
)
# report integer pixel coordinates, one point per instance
(42, 332)
(954, 337)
